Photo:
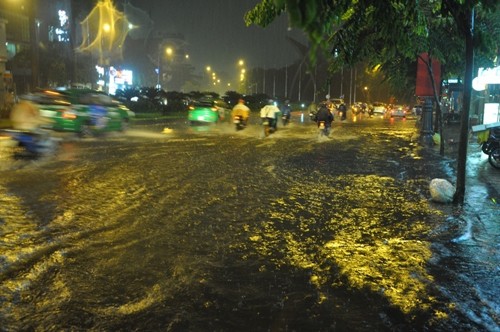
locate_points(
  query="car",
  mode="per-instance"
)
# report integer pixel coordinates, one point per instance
(83, 111)
(379, 108)
(397, 111)
(207, 110)
(337, 102)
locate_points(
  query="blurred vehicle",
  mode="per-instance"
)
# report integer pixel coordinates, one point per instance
(239, 122)
(491, 147)
(208, 110)
(451, 118)
(312, 109)
(397, 111)
(357, 108)
(379, 108)
(417, 110)
(83, 111)
(30, 144)
(337, 102)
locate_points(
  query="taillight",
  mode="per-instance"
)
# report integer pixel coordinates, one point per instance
(69, 115)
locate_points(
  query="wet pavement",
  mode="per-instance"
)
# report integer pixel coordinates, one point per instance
(172, 228)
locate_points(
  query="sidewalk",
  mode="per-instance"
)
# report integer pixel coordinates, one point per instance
(480, 176)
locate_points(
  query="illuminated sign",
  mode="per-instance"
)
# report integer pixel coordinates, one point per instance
(485, 77)
(60, 33)
(424, 83)
(119, 79)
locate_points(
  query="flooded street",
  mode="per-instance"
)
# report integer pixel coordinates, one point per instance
(172, 228)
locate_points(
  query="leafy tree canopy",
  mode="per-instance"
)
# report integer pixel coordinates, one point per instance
(389, 32)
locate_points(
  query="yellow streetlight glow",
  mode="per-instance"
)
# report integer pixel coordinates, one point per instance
(241, 62)
(209, 68)
(169, 51)
(106, 27)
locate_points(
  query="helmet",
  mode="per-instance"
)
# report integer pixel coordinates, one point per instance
(241, 101)
(270, 102)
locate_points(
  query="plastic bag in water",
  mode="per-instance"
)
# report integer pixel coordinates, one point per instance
(442, 190)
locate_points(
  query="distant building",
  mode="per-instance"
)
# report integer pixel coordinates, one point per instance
(31, 25)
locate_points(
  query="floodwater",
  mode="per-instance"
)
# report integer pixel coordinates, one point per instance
(172, 228)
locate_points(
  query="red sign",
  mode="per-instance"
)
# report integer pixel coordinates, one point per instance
(424, 83)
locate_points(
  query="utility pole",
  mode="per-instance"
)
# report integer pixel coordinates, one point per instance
(264, 80)
(286, 81)
(274, 82)
(34, 40)
(3, 60)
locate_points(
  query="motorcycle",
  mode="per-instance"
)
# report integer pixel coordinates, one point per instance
(324, 130)
(491, 147)
(30, 144)
(285, 119)
(268, 125)
(239, 123)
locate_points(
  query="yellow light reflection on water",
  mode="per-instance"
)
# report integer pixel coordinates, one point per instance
(369, 228)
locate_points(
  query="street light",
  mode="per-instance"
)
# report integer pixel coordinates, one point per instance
(241, 63)
(168, 51)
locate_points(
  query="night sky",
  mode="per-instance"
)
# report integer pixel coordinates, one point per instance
(217, 35)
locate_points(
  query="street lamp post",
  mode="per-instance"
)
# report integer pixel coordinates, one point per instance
(169, 51)
(158, 69)
(241, 64)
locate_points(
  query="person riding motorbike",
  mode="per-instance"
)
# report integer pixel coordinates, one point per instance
(26, 116)
(268, 115)
(27, 124)
(240, 109)
(312, 109)
(343, 112)
(286, 112)
(325, 116)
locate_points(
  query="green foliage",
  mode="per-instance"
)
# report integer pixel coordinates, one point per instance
(263, 14)
(389, 33)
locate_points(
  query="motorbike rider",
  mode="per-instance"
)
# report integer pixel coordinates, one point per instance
(324, 115)
(240, 109)
(343, 112)
(286, 112)
(269, 113)
(312, 109)
(26, 116)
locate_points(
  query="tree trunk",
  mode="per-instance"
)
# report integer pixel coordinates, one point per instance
(459, 196)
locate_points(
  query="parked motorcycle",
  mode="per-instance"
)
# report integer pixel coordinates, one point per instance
(491, 147)
(28, 144)
(239, 122)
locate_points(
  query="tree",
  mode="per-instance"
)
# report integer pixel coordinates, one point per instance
(392, 32)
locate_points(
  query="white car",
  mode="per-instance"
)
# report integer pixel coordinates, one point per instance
(379, 108)
(397, 111)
